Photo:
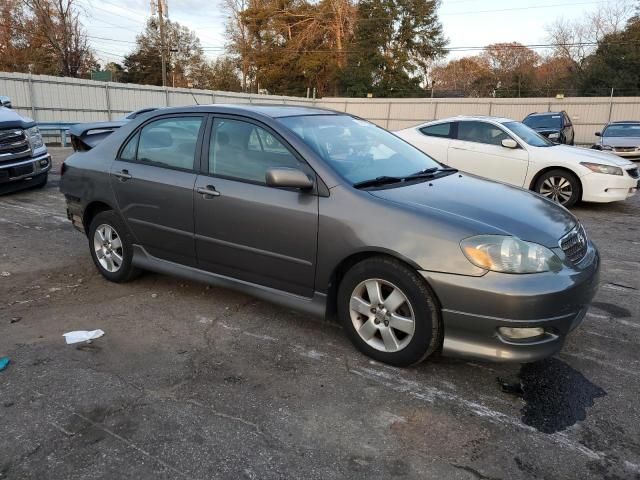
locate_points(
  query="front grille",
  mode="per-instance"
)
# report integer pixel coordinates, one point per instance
(14, 145)
(574, 244)
(624, 149)
(633, 172)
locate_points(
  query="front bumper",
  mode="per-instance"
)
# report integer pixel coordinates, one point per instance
(598, 187)
(24, 168)
(473, 308)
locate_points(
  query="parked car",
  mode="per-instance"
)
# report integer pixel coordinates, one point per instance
(510, 152)
(620, 138)
(24, 160)
(323, 212)
(556, 126)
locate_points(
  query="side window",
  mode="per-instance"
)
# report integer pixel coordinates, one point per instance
(129, 150)
(442, 130)
(481, 132)
(170, 142)
(567, 120)
(245, 151)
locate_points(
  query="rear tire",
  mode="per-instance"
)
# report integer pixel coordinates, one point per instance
(111, 247)
(389, 312)
(560, 186)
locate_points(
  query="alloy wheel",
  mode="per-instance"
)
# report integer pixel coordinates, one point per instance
(557, 188)
(108, 248)
(382, 315)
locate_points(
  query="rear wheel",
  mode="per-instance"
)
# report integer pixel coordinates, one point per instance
(561, 186)
(111, 247)
(389, 312)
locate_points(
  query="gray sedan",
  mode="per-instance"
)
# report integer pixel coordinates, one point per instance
(332, 215)
(621, 138)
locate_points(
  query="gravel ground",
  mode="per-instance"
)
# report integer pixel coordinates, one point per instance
(198, 382)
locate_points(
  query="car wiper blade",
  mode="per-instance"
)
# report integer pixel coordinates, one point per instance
(374, 182)
(430, 172)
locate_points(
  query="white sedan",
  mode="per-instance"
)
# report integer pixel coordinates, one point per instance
(510, 152)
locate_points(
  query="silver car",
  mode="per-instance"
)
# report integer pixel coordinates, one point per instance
(332, 215)
(621, 138)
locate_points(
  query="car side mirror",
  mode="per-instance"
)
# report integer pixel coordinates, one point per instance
(509, 143)
(598, 134)
(288, 178)
(5, 102)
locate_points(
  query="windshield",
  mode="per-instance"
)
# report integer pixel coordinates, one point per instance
(528, 135)
(626, 130)
(544, 121)
(358, 150)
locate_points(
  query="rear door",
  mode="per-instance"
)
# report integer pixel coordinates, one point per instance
(478, 149)
(153, 180)
(245, 229)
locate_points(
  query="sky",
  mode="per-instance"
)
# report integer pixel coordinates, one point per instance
(112, 25)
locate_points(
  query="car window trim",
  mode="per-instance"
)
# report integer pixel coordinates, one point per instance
(500, 127)
(207, 146)
(138, 132)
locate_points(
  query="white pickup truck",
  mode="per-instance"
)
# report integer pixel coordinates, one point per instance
(24, 160)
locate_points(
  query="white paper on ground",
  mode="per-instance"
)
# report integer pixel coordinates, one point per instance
(82, 336)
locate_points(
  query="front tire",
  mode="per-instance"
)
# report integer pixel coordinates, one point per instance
(111, 247)
(389, 312)
(561, 186)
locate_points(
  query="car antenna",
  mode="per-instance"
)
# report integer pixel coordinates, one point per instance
(194, 97)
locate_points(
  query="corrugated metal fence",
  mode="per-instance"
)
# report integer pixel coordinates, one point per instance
(56, 99)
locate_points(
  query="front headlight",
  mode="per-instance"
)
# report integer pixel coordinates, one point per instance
(554, 136)
(35, 138)
(509, 254)
(599, 168)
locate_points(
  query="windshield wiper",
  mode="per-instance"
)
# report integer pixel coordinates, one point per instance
(374, 182)
(387, 180)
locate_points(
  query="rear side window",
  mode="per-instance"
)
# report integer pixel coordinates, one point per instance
(442, 130)
(246, 151)
(169, 142)
(481, 132)
(129, 150)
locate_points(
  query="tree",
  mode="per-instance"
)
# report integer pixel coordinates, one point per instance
(222, 74)
(513, 67)
(58, 23)
(184, 53)
(467, 76)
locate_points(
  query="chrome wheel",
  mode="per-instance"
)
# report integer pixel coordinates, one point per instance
(557, 189)
(108, 248)
(382, 315)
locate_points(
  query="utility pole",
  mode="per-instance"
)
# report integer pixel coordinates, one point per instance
(160, 6)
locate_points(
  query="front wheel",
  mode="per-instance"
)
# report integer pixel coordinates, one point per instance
(561, 186)
(111, 247)
(389, 312)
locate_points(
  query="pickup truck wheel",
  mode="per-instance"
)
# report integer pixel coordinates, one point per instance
(389, 312)
(111, 247)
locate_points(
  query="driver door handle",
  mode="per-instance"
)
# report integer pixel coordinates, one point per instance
(123, 175)
(208, 191)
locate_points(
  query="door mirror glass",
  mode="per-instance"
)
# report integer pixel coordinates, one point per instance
(598, 134)
(5, 101)
(288, 177)
(509, 143)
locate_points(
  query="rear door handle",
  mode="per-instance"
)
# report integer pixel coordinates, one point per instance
(208, 191)
(123, 175)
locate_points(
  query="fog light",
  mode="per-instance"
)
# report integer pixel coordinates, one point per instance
(521, 333)
(44, 163)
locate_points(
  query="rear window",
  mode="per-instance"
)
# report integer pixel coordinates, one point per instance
(544, 121)
(442, 130)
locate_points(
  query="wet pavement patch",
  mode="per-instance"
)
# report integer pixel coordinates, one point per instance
(556, 395)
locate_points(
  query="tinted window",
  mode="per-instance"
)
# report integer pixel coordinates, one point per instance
(439, 130)
(170, 142)
(246, 151)
(129, 150)
(552, 121)
(481, 132)
(358, 150)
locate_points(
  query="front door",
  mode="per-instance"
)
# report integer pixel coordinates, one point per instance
(245, 229)
(478, 149)
(153, 180)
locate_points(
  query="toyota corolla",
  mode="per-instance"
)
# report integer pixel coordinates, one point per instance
(332, 215)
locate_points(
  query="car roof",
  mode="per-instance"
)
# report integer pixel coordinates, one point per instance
(544, 114)
(489, 118)
(265, 110)
(623, 122)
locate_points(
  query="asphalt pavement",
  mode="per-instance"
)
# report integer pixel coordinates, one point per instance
(196, 382)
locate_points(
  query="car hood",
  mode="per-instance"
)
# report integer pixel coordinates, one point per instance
(10, 119)
(578, 155)
(486, 207)
(621, 141)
